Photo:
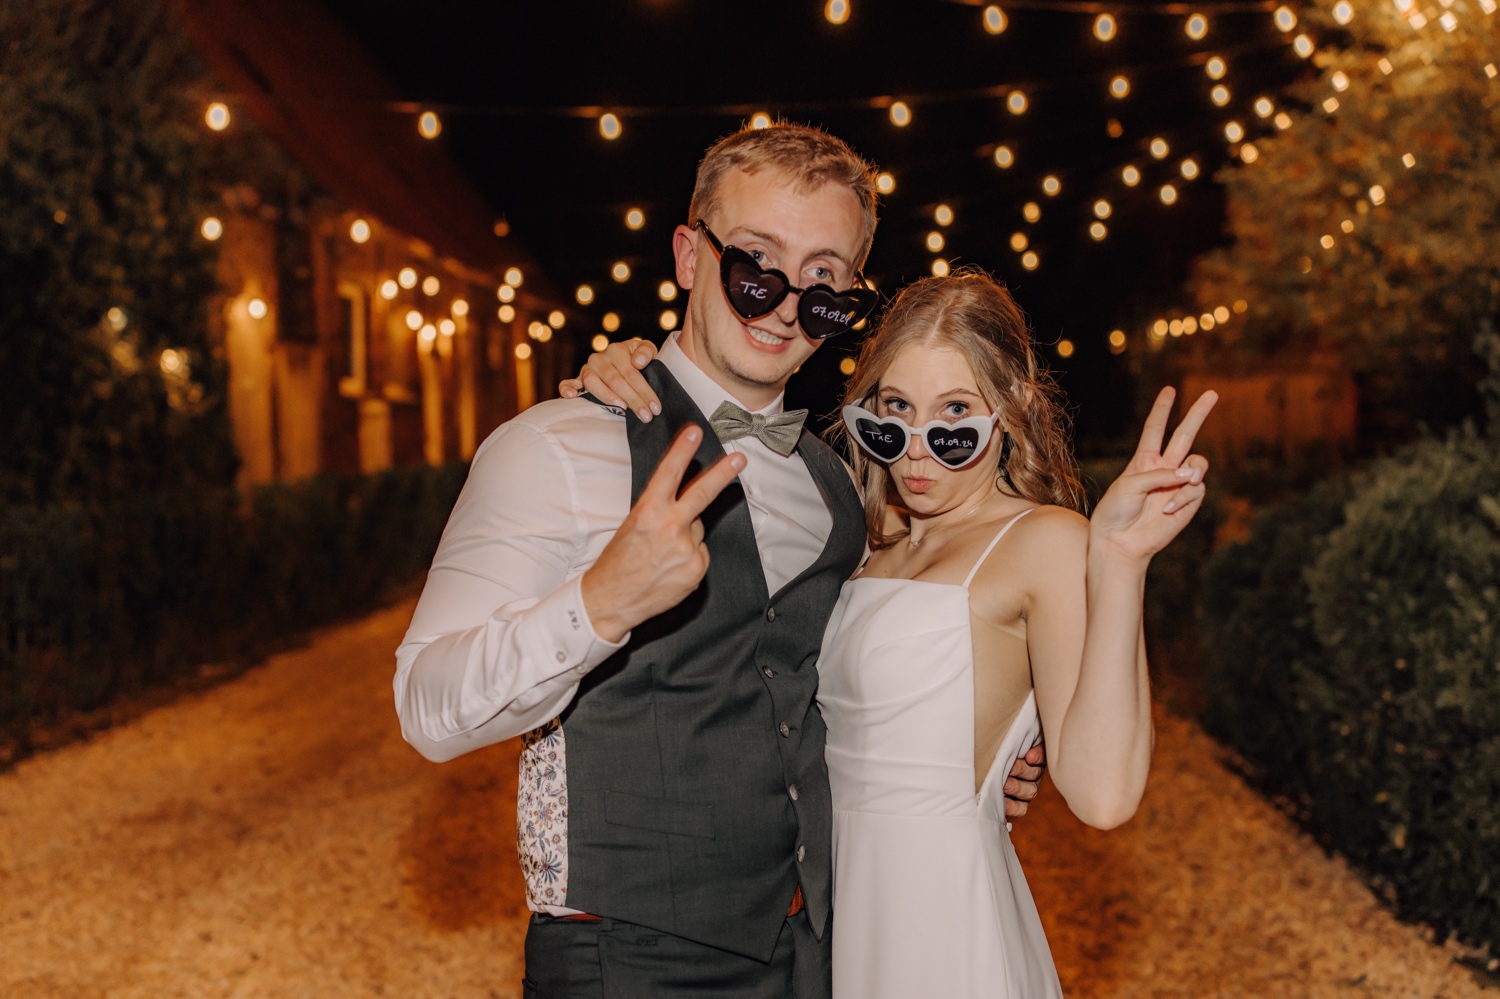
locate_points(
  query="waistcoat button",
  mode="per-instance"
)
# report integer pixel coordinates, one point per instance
(784, 729)
(801, 853)
(768, 671)
(771, 614)
(792, 791)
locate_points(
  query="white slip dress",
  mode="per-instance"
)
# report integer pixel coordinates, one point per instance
(929, 898)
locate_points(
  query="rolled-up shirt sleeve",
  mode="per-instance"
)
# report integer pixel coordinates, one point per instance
(500, 639)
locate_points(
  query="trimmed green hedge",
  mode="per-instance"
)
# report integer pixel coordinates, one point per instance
(93, 606)
(1352, 649)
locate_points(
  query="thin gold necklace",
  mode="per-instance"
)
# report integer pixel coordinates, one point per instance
(916, 542)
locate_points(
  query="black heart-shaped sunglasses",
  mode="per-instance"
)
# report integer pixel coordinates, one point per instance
(754, 291)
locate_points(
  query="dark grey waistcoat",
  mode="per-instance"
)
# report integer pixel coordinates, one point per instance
(697, 792)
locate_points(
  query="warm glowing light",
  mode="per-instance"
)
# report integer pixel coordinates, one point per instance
(1215, 68)
(885, 183)
(1347, 225)
(1131, 176)
(447, 327)
(635, 218)
(934, 241)
(1490, 70)
(1160, 328)
(837, 11)
(1189, 169)
(407, 277)
(1234, 131)
(1159, 148)
(1285, 19)
(1448, 21)
(942, 215)
(217, 116)
(389, 289)
(1189, 325)
(1175, 327)
(1283, 120)
(460, 307)
(1051, 185)
(1221, 314)
(846, 366)
(523, 351)
(514, 277)
(1018, 241)
(1168, 194)
(211, 228)
(414, 320)
(900, 114)
(1249, 153)
(759, 120)
(171, 361)
(1219, 95)
(609, 126)
(584, 294)
(1241, 305)
(1105, 27)
(1119, 87)
(1030, 260)
(610, 322)
(1326, 241)
(1377, 195)
(1339, 80)
(1116, 341)
(1114, 128)
(429, 125)
(537, 330)
(1032, 211)
(599, 342)
(431, 285)
(1331, 105)
(620, 271)
(1102, 209)
(505, 293)
(507, 313)
(257, 308)
(1385, 66)
(1196, 27)
(939, 267)
(1004, 158)
(557, 319)
(359, 231)
(1417, 20)
(1065, 348)
(1303, 46)
(1343, 12)
(668, 319)
(666, 291)
(1016, 102)
(1097, 230)
(1264, 107)
(1409, 160)
(995, 20)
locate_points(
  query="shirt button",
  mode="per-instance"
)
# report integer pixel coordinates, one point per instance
(792, 792)
(784, 729)
(771, 614)
(768, 672)
(562, 656)
(580, 670)
(801, 854)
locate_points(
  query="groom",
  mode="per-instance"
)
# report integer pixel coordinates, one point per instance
(656, 643)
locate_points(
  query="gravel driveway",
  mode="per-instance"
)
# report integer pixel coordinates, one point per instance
(274, 837)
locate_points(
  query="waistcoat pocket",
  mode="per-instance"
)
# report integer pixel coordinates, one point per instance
(681, 818)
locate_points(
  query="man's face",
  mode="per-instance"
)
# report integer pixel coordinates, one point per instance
(813, 237)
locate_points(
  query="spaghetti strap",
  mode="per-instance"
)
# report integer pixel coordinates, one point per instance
(1008, 524)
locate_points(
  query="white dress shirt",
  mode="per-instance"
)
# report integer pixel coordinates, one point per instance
(500, 639)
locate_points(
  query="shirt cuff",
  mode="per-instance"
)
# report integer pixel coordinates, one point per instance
(575, 645)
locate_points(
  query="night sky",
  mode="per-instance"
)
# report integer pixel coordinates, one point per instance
(519, 89)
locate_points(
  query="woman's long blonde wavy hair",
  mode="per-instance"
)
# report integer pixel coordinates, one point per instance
(973, 314)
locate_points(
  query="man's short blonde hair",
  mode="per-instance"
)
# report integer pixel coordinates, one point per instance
(810, 156)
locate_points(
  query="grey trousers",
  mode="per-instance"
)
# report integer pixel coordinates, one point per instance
(611, 959)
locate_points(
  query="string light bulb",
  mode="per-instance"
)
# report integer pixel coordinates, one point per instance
(1168, 194)
(1196, 27)
(1343, 12)
(429, 125)
(211, 228)
(1189, 169)
(1234, 131)
(599, 342)
(635, 218)
(900, 114)
(1119, 87)
(1284, 18)
(885, 183)
(1221, 314)
(257, 308)
(1102, 209)
(1065, 348)
(1030, 260)
(1116, 341)
(666, 291)
(610, 322)
(431, 285)
(837, 12)
(1131, 176)
(1031, 211)
(407, 277)
(846, 366)
(1019, 242)
(413, 320)
(758, 120)
(1283, 120)
(995, 20)
(1264, 107)
(1105, 27)
(620, 271)
(1215, 68)
(668, 319)
(609, 125)
(460, 307)
(935, 241)
(1051, 185)
(359, 231)
(1248, 152)
(939, 267)
(505, 293)
(1303, 46)
(447, 327)
(1219, 95)
(1016, 103)
(523, 351)
(584, 294)
(1331, 105)
(943, 215)
(1098, 231)
(1206, 322)
(389, 289)
(217, 116)
(557, 319)
(1004, 157)
(506, 313)
(514, 277)
(1377, 195)
(1339, 80)
(1159, 148)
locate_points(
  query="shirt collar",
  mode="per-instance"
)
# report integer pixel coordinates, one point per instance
(706, 393)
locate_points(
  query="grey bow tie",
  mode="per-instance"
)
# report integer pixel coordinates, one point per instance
(779, 433)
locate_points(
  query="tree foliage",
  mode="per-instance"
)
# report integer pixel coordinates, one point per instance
(101, 264)
(1414, 263)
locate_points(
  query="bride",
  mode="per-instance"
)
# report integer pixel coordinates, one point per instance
(989, 612)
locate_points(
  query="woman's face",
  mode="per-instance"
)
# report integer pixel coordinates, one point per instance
(925, 384)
